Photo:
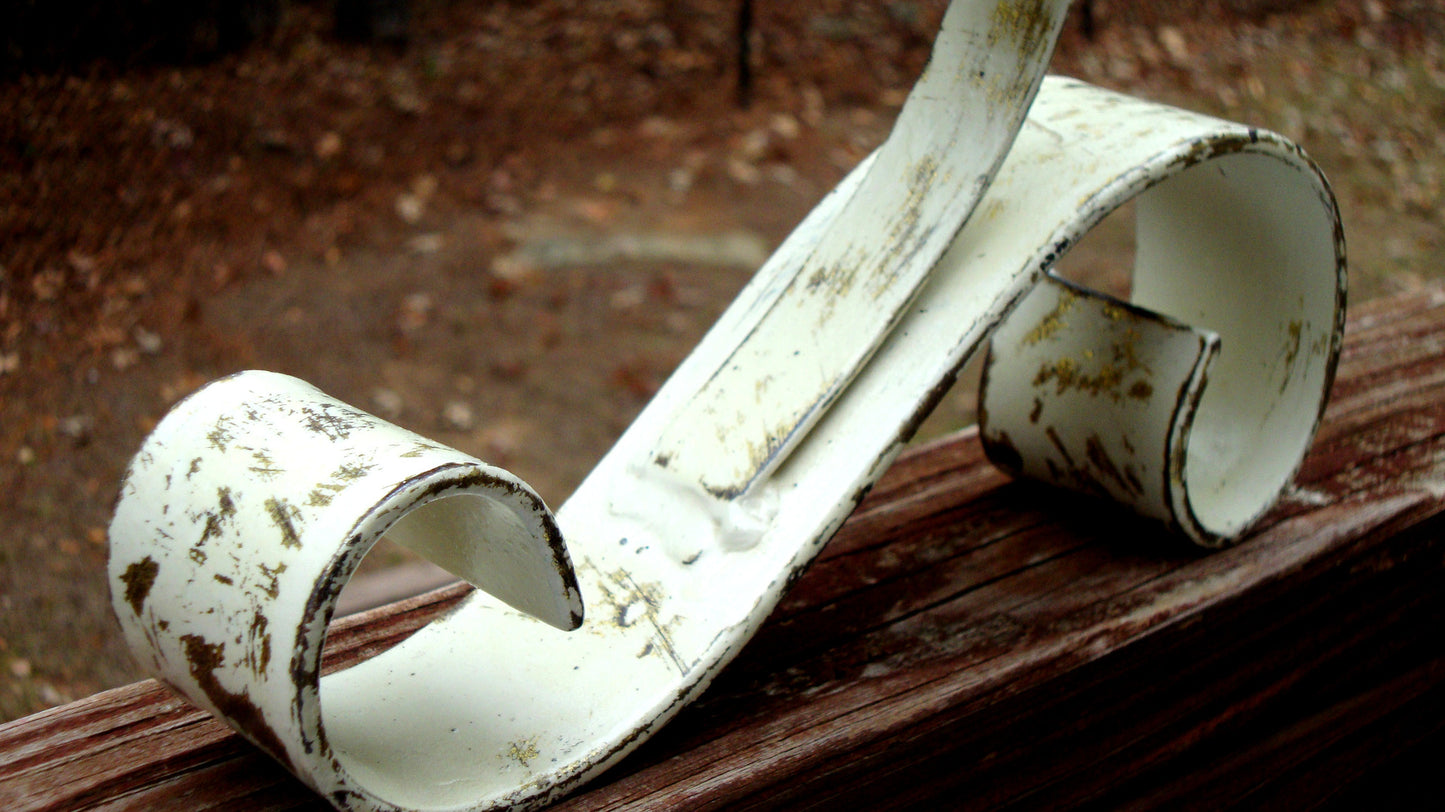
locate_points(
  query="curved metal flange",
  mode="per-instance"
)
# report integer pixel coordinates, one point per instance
(1238, 238)
(248, 509)
(679, 561)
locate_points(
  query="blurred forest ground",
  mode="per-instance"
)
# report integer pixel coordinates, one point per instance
(376, 218)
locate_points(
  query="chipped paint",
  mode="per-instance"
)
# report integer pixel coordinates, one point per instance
(1028, 23)
(1079, 387)
(220, 435)
(1106, 378)
(232, 592)
(252, 503)
(1050, 325)
(283, 515)
(523, 752)
(1123, 476)
(138, 578)
(1293, 343)
(630, 603)
(203, 659)
(843, 292)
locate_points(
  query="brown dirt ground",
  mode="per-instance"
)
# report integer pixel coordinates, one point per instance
(346, 215)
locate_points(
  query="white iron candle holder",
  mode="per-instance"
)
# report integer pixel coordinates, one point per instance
(249, 506)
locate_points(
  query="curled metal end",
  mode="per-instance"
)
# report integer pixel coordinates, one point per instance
(252, 503)
(1194, 402)
(248, 509)
(1091, 393)
(489, 529)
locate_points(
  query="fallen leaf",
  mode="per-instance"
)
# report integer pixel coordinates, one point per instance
(328, 146)
(458, 416)
(273, 262)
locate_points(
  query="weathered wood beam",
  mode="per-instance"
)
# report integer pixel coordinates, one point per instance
(970, 641)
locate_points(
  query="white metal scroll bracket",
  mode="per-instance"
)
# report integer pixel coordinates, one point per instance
(248, 508)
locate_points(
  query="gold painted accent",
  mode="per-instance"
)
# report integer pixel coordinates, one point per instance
(1050, 325)
(523, 751)
(1068, 373)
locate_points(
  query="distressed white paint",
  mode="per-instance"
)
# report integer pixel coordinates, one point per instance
(678, 564)
(1238, 236)
(845, 290)
(1085, 392)
(247, 511)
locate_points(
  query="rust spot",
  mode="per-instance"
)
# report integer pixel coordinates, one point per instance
(204, 658)
(272, 587)
(1001, 450)
(523, 751)
(1058, 442)
(281, 515)
(211, 530)
(350, 472)
(225, 579)
(225, 509)
(926, 405)
(220, 434)
(1026, 22)
(1291, 352)
(1037, 411)
(335, 421)
(265, 467)
(1050, 325)
(421, 448)
(1107, 379)
(1125, 478)
(638, 603)
(305, 665)
(922, 177)
(138, 578)
(224, 503)
(759, 455)
(260, 657)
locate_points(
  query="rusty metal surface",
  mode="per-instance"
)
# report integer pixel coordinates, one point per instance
(250, 505)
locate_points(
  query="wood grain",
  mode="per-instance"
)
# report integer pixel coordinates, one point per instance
(968, 641)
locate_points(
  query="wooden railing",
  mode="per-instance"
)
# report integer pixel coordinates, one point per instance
(971, 642)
